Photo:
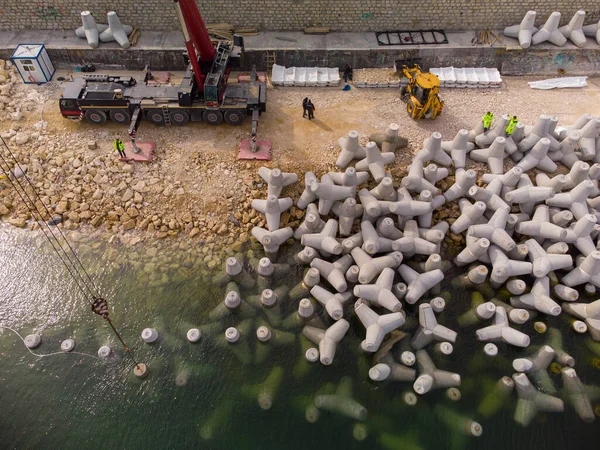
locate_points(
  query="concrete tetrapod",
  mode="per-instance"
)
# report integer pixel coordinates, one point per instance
(589, 313)
(308, 196)
(377, 326)
(272, 240)
(456, 421)
(312, 222)
(540, 226)
(464, 180)
(531, 401)
(372, 267)
(504, 268)
(415, 180)
(390, 140)
(574, 30)
(592, 30)
(375, 161)
(471, 213)
(385, 227)
(429, 330)
(524, 30)
(380, 293)
(538, 298)
(334, 273)
(490, 195)
(342, 402)
(577, 395)
(90, 30)
(549, 32)
(432, 378)
(557, 182)
(579, 172)
(575, 200)
(349, 178)
(351, 149)
(433, 173)
(418, 283)
(327, 340)
(497, 397)
(328, 192)
(373, 243)
(432, 151)
(501, 331)
(266, 391)
(509, 180)
(458, 148)
(372, 207)
(534, 134)
(390, 370)
(272, 209)
(116, 31)
(495, 231)
(276, 180)
(544, 263)
(499, 130)
(536, 366)
(325, 240)
(333, 303)
(411, 243)
(494, 155)
(566, 149)
(479, 312)
(385, 190)
(346, 213)
(538, 157)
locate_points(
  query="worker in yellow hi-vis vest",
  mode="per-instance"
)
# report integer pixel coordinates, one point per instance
(512, 125)
(120, 147)
(487, 121)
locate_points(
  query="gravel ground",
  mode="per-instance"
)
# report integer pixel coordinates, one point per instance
(196, 186)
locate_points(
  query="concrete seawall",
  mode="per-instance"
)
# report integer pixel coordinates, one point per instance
(163, 51)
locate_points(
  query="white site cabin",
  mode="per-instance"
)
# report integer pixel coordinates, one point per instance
(33, 63)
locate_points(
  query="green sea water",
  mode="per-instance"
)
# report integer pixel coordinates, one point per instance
(203, 395)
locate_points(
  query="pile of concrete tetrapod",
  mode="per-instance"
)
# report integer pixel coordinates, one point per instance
(552, 32)
(375, 254)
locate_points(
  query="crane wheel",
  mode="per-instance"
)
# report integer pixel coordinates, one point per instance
(179, 117)
(156, 117)
(213, 117)
(120, 116)
(95, 116)
(234, 117)
(410, 108)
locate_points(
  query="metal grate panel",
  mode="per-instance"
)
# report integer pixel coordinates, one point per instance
(417, 37)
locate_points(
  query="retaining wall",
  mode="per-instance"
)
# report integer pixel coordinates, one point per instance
(272, 15)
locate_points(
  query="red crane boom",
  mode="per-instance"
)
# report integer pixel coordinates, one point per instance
(197, 41)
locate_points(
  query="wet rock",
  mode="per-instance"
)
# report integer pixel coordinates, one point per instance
(55, 220)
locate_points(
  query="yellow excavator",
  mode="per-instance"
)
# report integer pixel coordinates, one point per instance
(423, 89)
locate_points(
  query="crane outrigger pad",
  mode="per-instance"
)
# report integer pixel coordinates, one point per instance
(145, 155)
(262, 153)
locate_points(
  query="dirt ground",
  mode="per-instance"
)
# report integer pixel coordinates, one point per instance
(195, 184)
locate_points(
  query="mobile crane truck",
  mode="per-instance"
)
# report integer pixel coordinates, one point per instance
(203, 95)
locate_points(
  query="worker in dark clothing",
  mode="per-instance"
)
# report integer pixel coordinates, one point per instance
(304, 110)
(487, 121)
(512, 125)
(347, 73)
(311, 109)
(120, 147)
